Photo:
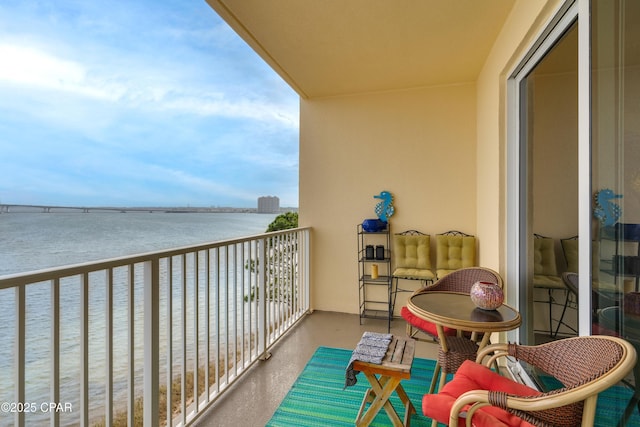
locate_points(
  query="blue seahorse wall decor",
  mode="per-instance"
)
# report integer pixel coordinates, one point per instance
(605, 211)
(384, 209)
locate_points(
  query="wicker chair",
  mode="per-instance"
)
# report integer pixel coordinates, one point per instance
(585, 366)
(571, 282)
(454, 250)
(545, 272)
(412, 255)
(460, 346)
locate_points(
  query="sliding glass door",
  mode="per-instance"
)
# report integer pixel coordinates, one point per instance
(556, 189)
(551, 144)
(545, 150)
(573, 186)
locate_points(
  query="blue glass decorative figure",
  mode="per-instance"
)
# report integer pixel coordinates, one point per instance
(605, 210)
(384, 209)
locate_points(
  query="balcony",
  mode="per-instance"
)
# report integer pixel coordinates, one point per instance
(126, 341)
(131, 340)
(254, 399)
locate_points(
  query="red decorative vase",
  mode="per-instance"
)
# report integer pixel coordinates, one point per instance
(486, 295)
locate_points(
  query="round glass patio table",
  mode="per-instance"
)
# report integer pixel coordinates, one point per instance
(456, 310)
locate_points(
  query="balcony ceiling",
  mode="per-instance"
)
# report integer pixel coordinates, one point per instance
(326, 48)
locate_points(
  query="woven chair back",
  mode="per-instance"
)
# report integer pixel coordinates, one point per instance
(462, 280)
(574, 362)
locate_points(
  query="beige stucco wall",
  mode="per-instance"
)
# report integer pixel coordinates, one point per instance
(440, 150)
(555, 156)
(525, 23)
(418, 144)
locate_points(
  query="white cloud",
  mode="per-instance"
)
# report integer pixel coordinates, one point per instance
(24, 65)
(219, 106)
(143, 88)
(202, 185)
(37, 69)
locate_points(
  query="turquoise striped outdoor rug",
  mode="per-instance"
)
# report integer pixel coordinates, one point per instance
(317, 398)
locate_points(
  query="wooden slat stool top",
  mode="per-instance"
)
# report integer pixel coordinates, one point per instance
(385, 379)
(397, 361)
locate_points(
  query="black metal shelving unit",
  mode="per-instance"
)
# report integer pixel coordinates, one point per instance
(374, 292)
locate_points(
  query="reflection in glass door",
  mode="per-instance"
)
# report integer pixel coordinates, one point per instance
(549, 150)
(615, 171)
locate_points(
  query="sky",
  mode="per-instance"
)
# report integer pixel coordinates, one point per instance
(139, 103)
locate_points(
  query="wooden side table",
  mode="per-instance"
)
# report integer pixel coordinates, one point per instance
(385, 379)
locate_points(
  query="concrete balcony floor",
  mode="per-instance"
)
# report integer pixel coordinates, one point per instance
(254, 398)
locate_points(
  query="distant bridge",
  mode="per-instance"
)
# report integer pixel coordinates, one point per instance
(7, 208)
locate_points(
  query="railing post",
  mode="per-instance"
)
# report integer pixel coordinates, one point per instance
(306, 276)
(151, 342)
(196, 330)
(131, 345)
(19, 374)
(108, 415)
(84, 350)
(263, 329)
(55, 348)
(169, 326)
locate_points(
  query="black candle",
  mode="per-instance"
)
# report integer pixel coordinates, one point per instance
(369, 252)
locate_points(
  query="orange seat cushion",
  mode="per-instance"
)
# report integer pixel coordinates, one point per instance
(423, 325)
(473, 376)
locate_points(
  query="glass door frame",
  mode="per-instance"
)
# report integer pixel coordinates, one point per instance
(517, 193)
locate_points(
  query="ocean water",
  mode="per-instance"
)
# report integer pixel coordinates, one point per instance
(33, 241)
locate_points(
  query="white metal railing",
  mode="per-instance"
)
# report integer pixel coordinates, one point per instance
(152, 337)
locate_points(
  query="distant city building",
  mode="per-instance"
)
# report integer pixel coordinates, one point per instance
(268, 204)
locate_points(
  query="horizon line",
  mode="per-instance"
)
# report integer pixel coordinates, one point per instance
(6, 208)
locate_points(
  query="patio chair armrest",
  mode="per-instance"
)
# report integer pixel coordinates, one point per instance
(565, 399)
(475, 398)
(495, 351)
